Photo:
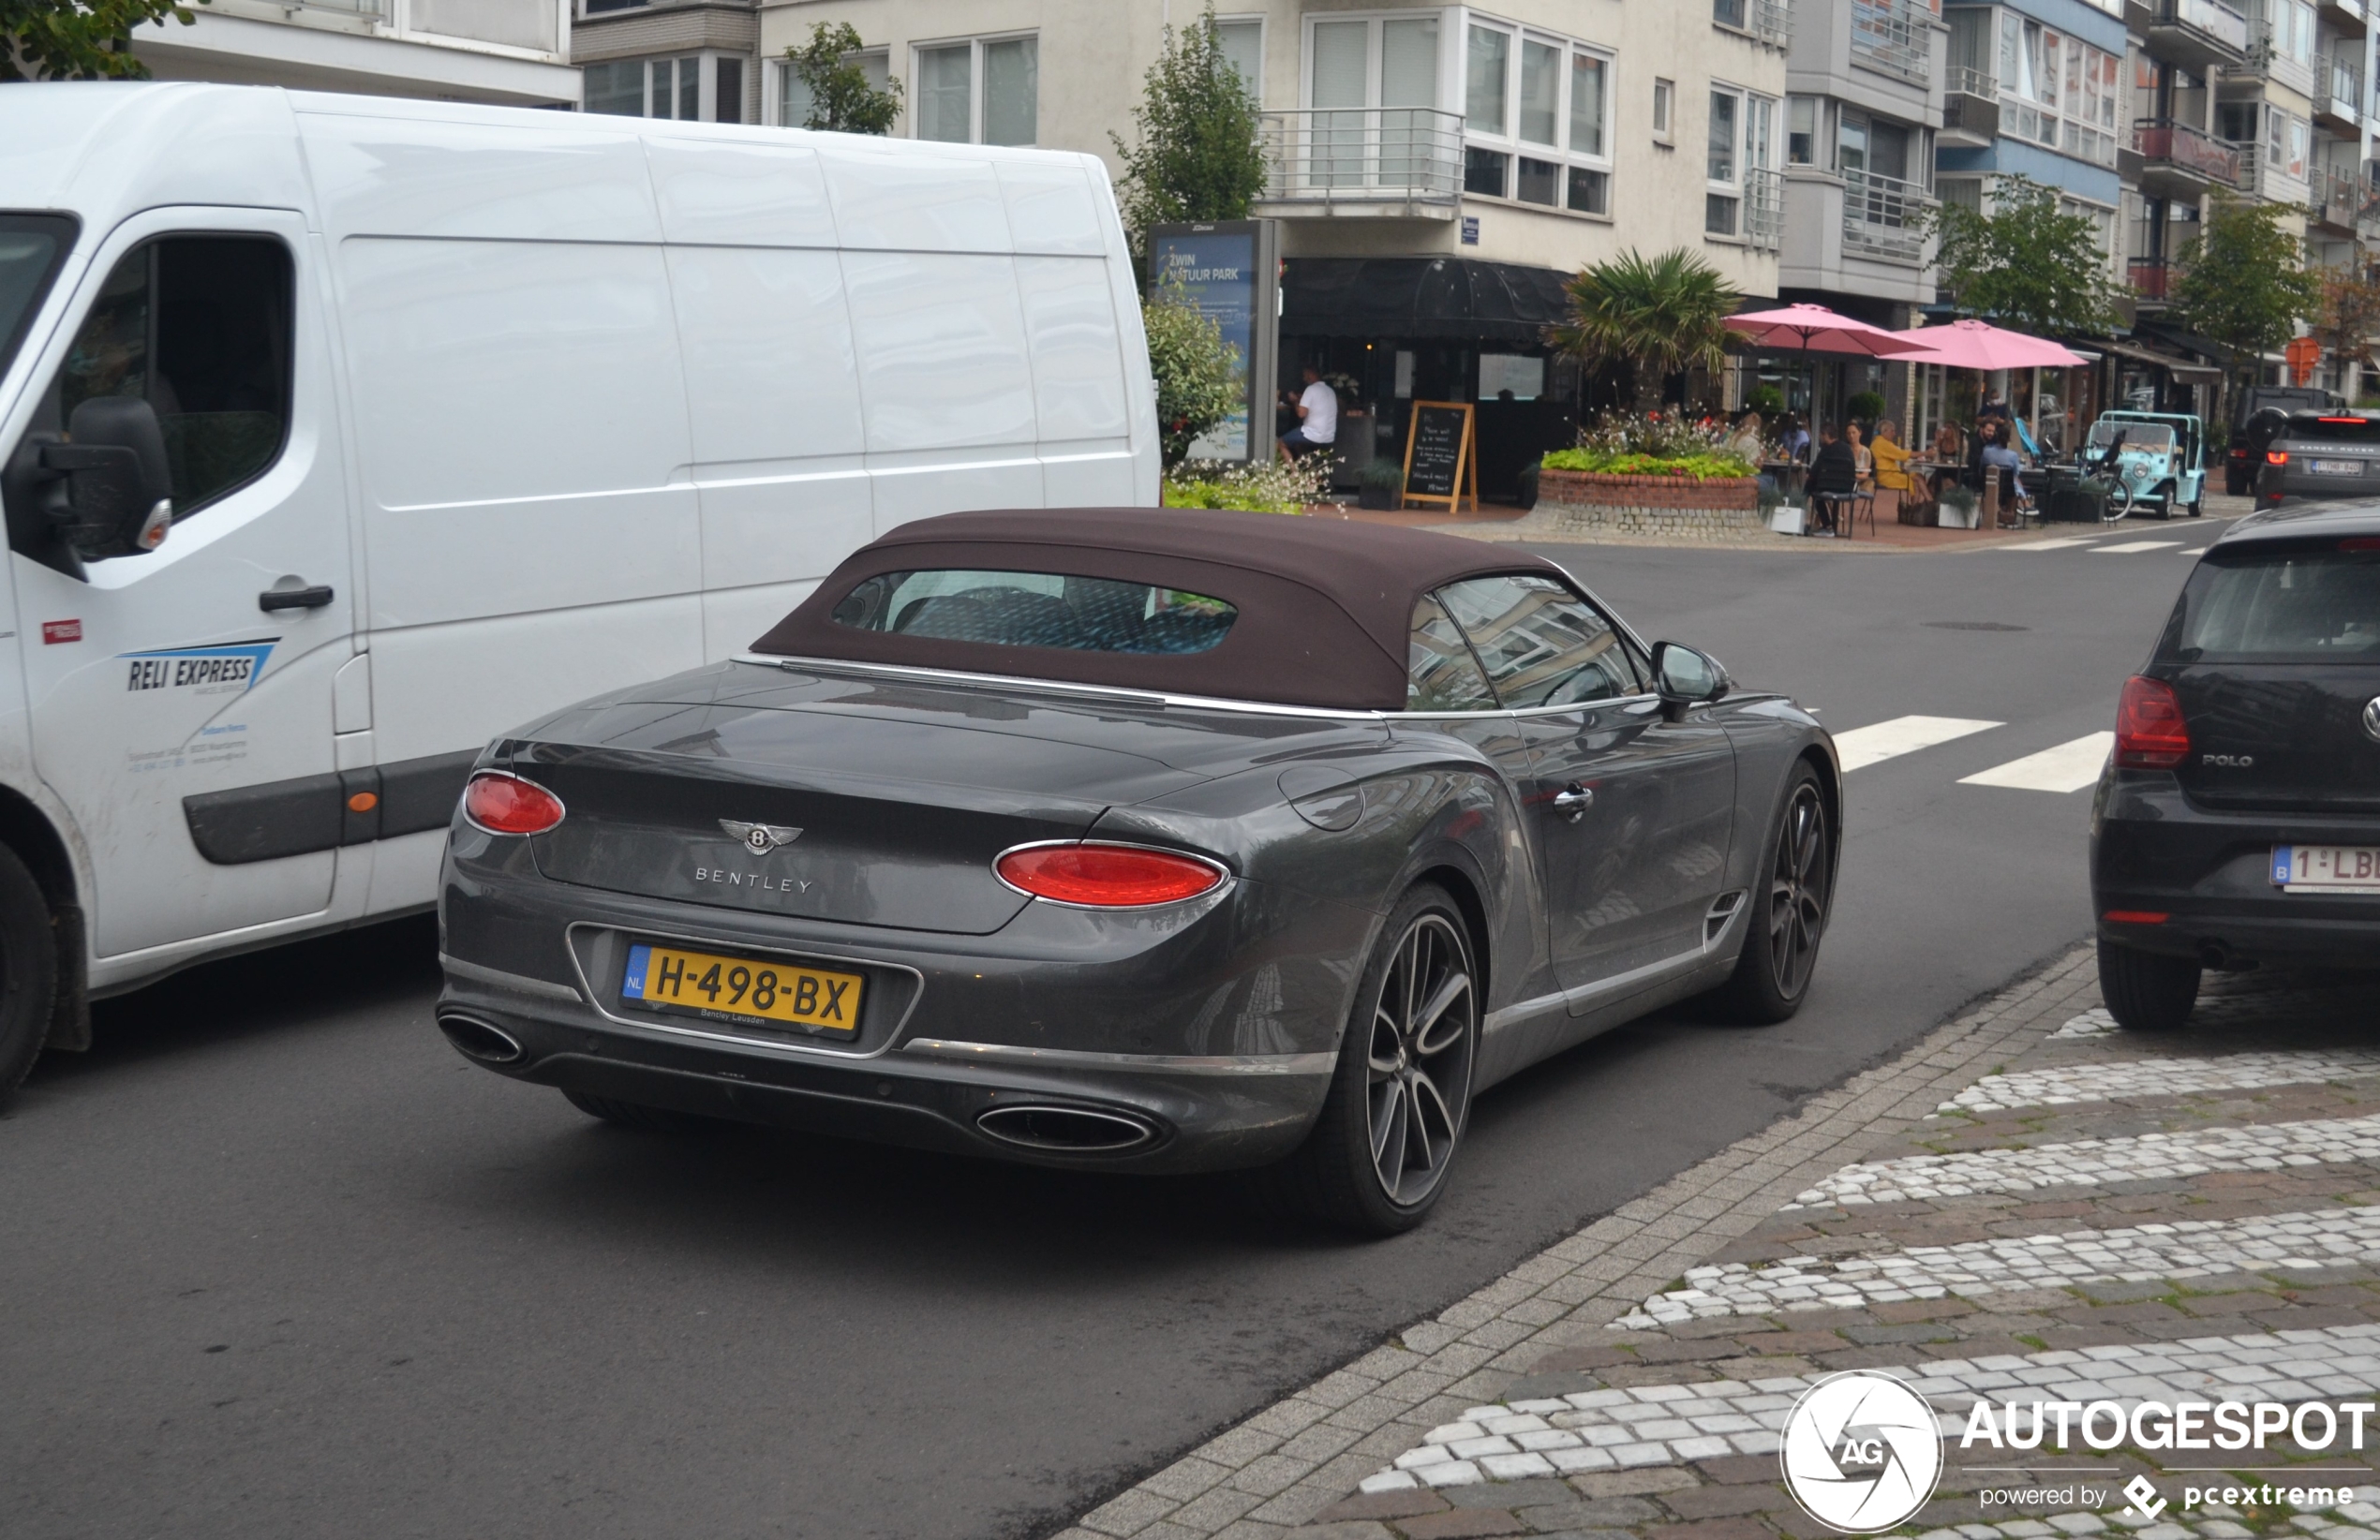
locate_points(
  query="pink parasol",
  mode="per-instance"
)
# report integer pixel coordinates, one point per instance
(1815, 329)
(1975, 345)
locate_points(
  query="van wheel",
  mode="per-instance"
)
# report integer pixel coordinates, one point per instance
(28, 972)
(2146, 991)
(641, 1117)
(1377, 1158)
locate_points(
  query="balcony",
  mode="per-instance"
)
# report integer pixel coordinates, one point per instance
(1970, 109)
(1397, 162)
(1764, 210)
(1894, 38)
(2260, 178)
(2335, 203)
(2195, 32)
(2151, 279)
(1767, 20)
(2338, 92)
(2179, 161)
(1884, 217)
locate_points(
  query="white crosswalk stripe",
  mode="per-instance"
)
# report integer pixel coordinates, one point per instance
(1865, 745)
(2056, 542)
(2068, 767)
(2126, 547)
(2063, 1085)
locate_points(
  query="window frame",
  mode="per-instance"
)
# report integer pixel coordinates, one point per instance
(779, 78)
(1751, 106)
(706, 62)
(977, 97)
(1258, 20)
(1632, 647)
(1566, 158)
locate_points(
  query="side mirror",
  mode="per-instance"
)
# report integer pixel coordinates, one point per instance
(119, 497)
(1686, 677)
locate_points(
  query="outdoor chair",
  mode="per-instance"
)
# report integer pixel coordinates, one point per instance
(1836, 494)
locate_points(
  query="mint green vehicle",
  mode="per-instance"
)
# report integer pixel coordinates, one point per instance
(2148, 460)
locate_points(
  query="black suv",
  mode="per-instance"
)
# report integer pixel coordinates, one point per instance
(2238, 822)
(2256, 415)
(2321, 455)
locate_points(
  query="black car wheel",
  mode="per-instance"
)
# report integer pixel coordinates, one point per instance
(28, 972)
(2146, 991)
(1787, 914)
(1380, 1153)
(643, 1118)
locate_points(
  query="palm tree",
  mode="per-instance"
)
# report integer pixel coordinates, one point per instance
(1661, 316)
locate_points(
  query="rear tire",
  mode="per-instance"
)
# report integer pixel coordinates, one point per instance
(28, 972)
(1787, 911)
(2146, 991)
(1377, 1158)
(635, 1115)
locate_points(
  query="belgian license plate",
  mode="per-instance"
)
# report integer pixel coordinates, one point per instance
(724, 988)
(2326, 868)
(2335, 467)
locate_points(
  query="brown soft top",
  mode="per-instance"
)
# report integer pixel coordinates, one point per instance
(1326, 606)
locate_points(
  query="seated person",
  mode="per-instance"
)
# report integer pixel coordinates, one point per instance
(1835, 469)
(2001, 459)
(1890, 459)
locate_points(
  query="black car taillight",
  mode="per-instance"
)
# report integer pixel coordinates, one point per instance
(2150, 734)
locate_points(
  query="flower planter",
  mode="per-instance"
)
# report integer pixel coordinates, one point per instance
(1674, 506)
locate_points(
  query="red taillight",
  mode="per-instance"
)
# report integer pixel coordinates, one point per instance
(2345, 421)
(2150, 734)
(1107, 876)
(507, 805)
(2361, 542)
(2276, 457)
(2135, 917)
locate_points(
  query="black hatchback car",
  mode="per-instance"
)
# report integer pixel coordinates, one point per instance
(2237, 823)
(2327, 455)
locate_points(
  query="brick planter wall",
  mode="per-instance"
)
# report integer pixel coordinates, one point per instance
(1650, 505)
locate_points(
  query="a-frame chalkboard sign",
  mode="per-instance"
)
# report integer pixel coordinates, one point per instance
(1442, 455)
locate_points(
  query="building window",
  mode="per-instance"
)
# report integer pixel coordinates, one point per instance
(727, 98)
(1241, 43)
(985, 91)
(1486, 71)
(793, 97)
(1740, 152)
(2057, 91)
(653, 88)
(1484, 171)
(1664, 92)
(1801, 130)
(1722, 156)
(1374, 85)
(1535, 107)
(1588, 79)
(1730, 13)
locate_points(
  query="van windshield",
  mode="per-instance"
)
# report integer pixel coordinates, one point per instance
(32, 247)
(2137, 436)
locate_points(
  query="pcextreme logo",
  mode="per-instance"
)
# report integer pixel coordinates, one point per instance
(1862, 1452)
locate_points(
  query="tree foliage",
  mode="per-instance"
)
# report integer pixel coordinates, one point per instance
(841, 100)
(2026, 265)
(1199, 156)
(1659, 314)
(78, 40)
(2349, 319)
(2244, 282)
(1198, 378)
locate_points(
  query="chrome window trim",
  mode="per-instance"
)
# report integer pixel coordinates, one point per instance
(1148, 699)
(659, 1023)
(1223, 1064)
(1609, 703)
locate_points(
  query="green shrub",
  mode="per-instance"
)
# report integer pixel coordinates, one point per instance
(1767, 400)
(1865, 406)
(1694, 468)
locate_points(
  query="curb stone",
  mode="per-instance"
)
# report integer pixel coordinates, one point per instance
(1281, 1467)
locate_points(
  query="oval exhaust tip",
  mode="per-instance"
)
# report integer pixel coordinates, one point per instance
(475, 1038)
(1066, 1131)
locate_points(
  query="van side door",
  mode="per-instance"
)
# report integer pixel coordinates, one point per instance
(181, 699)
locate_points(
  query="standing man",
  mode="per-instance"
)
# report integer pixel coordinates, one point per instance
(1318, 418)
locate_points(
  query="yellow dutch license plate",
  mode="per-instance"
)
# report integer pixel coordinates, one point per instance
(742, 989)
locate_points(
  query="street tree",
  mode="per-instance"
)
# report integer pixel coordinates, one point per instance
(78, 40)
(1198, 155)
(2350, 316)
(842, 98)
(1199, 379)
(2026, 265)
(1659, 316)
(2244, 283)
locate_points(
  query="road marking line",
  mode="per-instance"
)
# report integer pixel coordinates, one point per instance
(2136, 545)
(2115, 1079)
(2098, 1162)
(2068, 767)
(2059, 544)
(1873, 745)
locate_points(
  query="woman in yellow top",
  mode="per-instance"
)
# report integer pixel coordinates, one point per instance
(1890, 458)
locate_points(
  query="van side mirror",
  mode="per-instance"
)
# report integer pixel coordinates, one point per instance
(1684, 678)
(119, 498)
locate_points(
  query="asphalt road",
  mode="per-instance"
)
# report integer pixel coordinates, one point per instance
(273, 1261)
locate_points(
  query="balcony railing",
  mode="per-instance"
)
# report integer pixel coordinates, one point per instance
(378, 9)
(1764, 210)
(2210, 19)
(1884, 216)
(1767, 20)
(1894, 38)
(2187, 149)
(2337, 200)
(1364, 155)
(2337, 88)
(2150, 278)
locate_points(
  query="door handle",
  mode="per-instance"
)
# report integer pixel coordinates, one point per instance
(1573, 801)
(294, 598)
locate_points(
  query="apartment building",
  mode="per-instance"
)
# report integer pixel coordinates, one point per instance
(507, 52)
(1438, 171)
(688, 59)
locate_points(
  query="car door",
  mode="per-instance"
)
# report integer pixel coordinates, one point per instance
(169, 681)
(1630, 803)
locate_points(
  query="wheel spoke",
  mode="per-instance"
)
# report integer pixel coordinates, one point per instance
(1430, 1109)
(1435, 1033)
(1388, 1133)
(1419, 1154)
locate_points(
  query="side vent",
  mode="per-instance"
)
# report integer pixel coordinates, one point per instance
(1722, 913)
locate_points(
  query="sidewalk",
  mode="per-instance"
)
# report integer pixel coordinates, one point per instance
(2027, 1203)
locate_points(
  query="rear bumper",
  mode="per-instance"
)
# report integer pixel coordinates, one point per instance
(1215, 1030)
(2154, 853)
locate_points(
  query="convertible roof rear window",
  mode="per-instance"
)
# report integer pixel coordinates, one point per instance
(1037, 610)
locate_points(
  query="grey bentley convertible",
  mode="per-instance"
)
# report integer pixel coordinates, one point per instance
(1154, 840)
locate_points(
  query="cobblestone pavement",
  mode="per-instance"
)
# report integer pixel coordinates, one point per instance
(1988, 1215)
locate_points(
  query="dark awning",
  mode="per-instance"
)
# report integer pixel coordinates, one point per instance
(1421, 297)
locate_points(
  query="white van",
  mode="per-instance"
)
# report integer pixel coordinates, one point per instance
(464, 413)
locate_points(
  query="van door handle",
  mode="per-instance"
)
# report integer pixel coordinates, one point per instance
(294, 598)
(1573, 801)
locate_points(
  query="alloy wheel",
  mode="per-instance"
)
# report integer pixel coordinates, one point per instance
(1798, 888)
(1422, 1034)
